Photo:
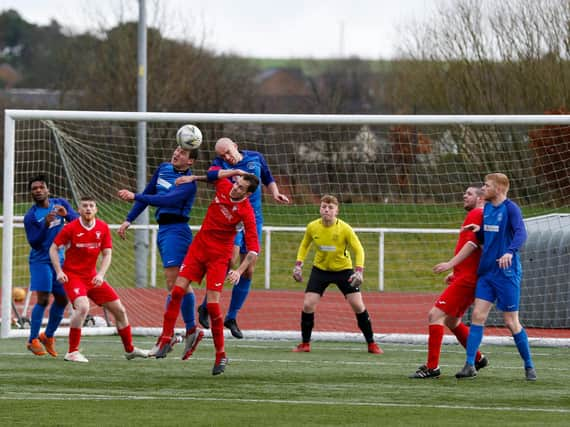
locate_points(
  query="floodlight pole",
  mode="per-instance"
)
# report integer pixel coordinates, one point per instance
(141, 236)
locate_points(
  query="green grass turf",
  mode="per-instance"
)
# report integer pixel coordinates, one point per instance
(266, 384)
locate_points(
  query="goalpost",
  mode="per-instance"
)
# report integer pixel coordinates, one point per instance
(399, 179)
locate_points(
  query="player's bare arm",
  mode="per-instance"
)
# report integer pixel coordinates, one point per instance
(467, 249)
(105, 264)
(471, 227)
(126, 195)
(234, 275)
(123, 229)
(54, 258)
(277, 196)
(228, 173)
(189, 178)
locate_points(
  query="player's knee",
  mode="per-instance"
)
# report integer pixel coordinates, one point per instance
(42, 298)
(478, 317)
(512, 324)
(82, 310)
(61, 300)
(309, 307)
(177, 293)
(435, 316)
(451, 322)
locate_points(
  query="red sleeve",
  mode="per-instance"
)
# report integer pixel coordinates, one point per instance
(474, 216)
(223, 185)
(251, 238)
(63, 237)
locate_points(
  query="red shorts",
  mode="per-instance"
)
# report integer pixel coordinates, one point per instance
(456, 298)
(203, 259)
(81, 286)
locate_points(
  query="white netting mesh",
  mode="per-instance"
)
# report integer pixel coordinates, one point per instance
(386, 176)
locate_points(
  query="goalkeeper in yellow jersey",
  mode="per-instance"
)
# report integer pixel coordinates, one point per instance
(332, 238)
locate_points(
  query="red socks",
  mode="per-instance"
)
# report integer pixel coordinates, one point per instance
(217, 325)
(74, 339)
(172, 310)
(434, 345)
(126, 338)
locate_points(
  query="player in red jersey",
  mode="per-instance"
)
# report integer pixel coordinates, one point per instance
(210, 255)
(449, 308)
(84, 239)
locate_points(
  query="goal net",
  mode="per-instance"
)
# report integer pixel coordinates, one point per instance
(399, 179)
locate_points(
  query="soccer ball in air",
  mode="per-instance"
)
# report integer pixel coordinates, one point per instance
(189, 137)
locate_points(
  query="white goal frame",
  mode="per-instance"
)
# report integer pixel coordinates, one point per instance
(301, 119)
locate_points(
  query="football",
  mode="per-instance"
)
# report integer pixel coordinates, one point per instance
(189, 137)
(18, 294)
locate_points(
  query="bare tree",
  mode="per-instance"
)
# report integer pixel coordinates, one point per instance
(478, 56)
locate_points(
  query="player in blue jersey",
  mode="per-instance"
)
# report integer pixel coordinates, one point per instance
(230, 157)
(173, 206)
(42, 222)
(503, 234)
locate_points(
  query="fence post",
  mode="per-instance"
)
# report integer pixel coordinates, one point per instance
(381, 262)
(267, 258)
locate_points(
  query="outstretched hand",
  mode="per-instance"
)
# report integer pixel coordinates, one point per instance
(472, 227)
(281, 198)
(126, 195)
(185, 179)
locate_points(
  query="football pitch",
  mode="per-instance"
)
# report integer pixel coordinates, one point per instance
(266, 384)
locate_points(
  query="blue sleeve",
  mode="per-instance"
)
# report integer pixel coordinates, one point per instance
(35, 231)
(266, 177)
(212, 174)
(177, 197)
(217, 163)
(140, 206)
(517, 225)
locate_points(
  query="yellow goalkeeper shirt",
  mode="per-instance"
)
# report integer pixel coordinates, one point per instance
(332, 246)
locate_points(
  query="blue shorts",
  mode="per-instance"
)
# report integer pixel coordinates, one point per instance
(502, 287)
(173, 241)
(44, 279)
(240, 237)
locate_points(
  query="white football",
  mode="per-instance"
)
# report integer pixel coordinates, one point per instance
(189, 137)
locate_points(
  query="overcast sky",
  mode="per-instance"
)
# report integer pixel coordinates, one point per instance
(258, 28)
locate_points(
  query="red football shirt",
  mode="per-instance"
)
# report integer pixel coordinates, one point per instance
(466, 271)
(225, 218)
(83, 246)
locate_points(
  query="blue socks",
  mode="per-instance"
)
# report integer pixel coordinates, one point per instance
(55, 315)
(187, 310)
(473, 342)
(521, 340)
(239, 295)
(36, 321)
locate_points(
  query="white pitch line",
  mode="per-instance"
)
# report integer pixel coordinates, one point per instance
(71, 397)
